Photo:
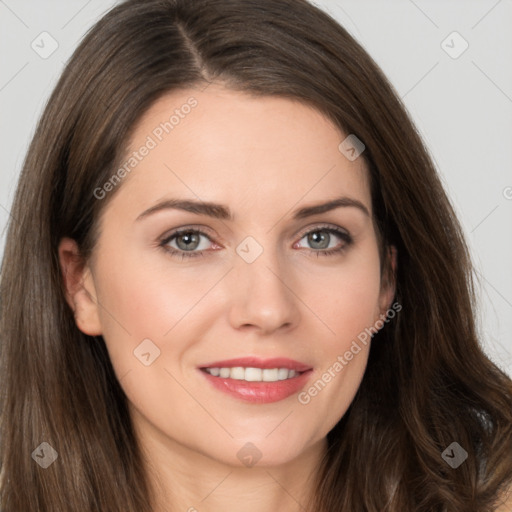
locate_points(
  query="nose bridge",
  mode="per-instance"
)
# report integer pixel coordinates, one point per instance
(260, 289)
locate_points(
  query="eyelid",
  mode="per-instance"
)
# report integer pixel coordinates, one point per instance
(321, 225)
(184, 229)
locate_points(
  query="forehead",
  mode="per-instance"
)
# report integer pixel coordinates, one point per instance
(263, 153)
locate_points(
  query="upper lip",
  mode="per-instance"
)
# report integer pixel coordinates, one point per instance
(255, 362)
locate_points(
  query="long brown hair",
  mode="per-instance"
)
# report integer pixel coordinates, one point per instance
(428, 382)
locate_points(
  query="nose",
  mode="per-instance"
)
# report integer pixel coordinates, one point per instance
(261, 296)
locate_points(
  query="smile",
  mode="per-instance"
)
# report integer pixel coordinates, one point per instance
(256, 380)
(253, 374)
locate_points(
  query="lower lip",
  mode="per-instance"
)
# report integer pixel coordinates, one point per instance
(259, 392)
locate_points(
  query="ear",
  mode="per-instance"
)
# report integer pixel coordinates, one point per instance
(79, 286)
(388, 282)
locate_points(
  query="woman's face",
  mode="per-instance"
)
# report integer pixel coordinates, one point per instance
(273, 281)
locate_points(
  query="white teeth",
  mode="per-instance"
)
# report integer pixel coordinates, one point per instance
(224, 372)
(253, 374)
(237, 373)
(270, 375)
(215, 371)
(282, 373)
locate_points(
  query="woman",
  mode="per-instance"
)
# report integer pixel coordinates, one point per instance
(235, 281)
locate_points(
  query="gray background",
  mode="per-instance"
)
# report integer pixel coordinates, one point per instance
(462, 107)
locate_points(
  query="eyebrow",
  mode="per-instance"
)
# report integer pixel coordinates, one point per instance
(220, 211)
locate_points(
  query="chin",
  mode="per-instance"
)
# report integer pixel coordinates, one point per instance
(262, 452)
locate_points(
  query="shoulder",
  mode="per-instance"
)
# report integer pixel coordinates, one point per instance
(505, 502)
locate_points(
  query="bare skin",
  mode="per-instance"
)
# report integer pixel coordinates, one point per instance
(264, 158)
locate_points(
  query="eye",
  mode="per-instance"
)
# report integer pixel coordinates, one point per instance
(187, 240)
(320, 239)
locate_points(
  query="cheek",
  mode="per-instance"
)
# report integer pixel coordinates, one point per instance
(348, 299)
(349, 307)
(139, 302)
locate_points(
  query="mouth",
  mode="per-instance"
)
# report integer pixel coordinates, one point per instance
(256, 380)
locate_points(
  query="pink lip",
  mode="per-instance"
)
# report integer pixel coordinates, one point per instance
(259, 392)
(254, 362)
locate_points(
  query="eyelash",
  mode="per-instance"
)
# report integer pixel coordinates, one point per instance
(193, 254)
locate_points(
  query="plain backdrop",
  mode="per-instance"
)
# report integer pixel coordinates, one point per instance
(449, 60)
